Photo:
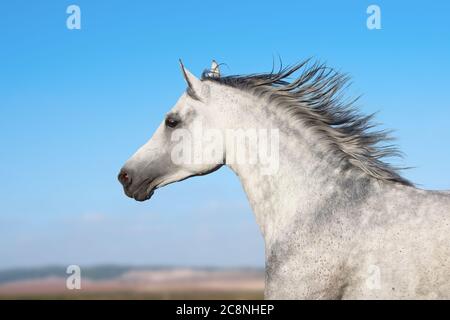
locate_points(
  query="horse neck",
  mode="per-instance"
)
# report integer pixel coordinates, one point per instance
(307, 174)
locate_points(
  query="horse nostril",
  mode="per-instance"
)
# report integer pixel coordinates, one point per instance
(124, 178)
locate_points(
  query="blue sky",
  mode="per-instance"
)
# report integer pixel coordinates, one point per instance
(75, 104)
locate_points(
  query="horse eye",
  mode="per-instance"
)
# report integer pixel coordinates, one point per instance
(172, 122)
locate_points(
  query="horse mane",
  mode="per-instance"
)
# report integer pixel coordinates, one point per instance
(315, 98)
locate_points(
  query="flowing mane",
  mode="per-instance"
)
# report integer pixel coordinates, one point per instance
(315, 97)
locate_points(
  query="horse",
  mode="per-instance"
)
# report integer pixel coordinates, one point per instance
(338, 221)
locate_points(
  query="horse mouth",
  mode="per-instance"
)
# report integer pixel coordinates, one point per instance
(143, 192)
(143, 196)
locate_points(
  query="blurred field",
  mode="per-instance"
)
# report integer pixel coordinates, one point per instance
(134, 283)
(238, 295)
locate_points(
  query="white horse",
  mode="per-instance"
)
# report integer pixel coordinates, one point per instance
(338, 223)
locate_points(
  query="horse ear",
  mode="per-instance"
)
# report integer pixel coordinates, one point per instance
(192, 81)
(215, 71)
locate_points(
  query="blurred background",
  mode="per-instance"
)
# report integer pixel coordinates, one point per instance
(75, 104)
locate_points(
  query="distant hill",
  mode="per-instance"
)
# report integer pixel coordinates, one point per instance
(131, 282)
(98, 272)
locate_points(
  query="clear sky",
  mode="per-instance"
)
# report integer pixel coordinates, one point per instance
(75, 104)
